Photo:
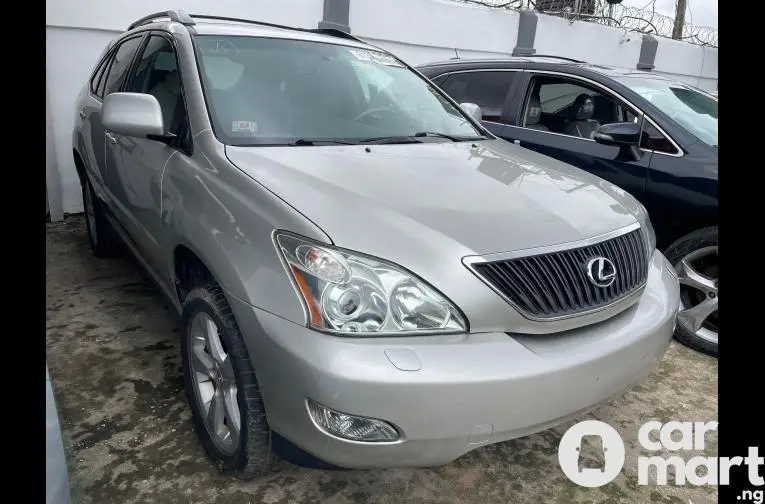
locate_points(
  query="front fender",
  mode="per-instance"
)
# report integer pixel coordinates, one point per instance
(227, 220)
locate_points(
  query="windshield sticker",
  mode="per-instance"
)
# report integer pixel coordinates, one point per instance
(244, 127)
(219, 48)
(376, 57)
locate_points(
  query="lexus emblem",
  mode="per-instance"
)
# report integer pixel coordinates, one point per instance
(601, 271)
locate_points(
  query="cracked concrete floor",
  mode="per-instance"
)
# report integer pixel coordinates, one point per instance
(112, 351)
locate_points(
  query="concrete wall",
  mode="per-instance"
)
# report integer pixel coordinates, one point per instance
(418, 31)
(696, 65)
(591, 42)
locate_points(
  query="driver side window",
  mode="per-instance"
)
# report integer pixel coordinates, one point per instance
(157, 74)
(570, 107)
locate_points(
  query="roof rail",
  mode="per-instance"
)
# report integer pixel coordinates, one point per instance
(553, 57)
(188, 19)
(174, 15)
(334, 32)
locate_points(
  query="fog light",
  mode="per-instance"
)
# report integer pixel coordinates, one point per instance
(351, 427)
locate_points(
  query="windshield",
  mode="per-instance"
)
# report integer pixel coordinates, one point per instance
(692, 109)
(264, 91)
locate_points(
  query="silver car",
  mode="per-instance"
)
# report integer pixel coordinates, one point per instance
(361, 268)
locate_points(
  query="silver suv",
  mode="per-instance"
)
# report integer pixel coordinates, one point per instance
(360, 267)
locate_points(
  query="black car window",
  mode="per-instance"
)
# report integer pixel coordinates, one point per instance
(120, 64)
(571, 107)
(653, 139)
(439, 81)
(102, 78)
(156, 73)
(486, 89)
(96, 82)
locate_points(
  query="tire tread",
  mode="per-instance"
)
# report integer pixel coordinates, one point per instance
(254, 456)
(680, 248)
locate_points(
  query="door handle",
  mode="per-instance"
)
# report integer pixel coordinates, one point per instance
(82, 114)
(111, 138)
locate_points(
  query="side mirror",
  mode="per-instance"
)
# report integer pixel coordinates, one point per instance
(472, 110)
(625, 135)
(618, 134)
(134, 115)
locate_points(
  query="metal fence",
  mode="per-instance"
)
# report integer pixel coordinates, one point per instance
(599, 11)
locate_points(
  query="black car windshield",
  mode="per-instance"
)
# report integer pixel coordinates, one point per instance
(268, 91)
(691, 108)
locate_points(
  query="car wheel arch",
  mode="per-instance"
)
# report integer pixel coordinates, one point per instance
(79, 165)
(687, 226)
(190, 266)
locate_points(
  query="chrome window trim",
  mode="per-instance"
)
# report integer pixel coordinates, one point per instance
(519, 70)
(617, 305)
(679, 152)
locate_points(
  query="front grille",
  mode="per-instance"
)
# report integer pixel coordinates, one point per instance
(556, 284)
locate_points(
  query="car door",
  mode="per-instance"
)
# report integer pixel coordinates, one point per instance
(90, 119)
(90, 114)
(135, 174)
(681, 186)
(489, 89)
(112, 82)
(564, 126)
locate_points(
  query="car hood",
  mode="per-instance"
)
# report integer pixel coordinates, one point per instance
(477, 198)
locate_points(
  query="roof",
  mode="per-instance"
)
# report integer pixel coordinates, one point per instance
(546, 62)
(508, 59)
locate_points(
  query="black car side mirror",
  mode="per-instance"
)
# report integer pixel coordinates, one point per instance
(625, 135)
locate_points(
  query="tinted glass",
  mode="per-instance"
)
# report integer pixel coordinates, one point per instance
(95, 81)
(275, 91)
(654, 140)
(572, 107)
(157, 74)
(486, 89)
(120, 65)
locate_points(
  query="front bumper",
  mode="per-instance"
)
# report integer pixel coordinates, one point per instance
(470, 389)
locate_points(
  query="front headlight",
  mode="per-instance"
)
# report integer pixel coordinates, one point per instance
(648, 233)
(349, 293)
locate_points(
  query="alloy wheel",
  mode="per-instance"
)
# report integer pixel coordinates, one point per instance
(698, 272)
(214, 383)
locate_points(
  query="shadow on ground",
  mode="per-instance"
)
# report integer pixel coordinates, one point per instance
(112, 351)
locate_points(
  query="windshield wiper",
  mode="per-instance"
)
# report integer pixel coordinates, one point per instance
(304, 142)
(453, 138)
(401, 139)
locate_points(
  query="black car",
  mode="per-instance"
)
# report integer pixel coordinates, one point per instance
(652, 136)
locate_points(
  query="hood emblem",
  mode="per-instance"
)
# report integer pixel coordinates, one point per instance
(601, 271)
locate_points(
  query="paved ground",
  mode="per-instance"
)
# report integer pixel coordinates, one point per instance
(112, 350)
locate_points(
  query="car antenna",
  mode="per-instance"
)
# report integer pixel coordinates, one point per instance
(456, 54)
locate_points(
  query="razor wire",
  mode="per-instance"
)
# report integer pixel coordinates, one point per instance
(645, 21)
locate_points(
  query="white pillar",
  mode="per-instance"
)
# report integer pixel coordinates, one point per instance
(52, 176)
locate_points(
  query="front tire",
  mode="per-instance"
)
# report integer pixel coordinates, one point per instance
(221, 387)
(694, 257)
